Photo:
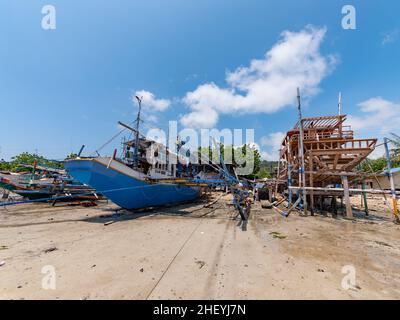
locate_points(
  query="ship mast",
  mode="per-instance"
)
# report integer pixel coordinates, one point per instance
(136, 158)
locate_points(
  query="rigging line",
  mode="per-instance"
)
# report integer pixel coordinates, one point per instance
(211, 163)
(148, 125)
(110, 140)
(173, 259)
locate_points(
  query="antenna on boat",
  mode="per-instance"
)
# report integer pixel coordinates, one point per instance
(340, 103)
(136, 159)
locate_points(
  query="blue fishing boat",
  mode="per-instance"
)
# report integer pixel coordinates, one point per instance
(136, 180)
(130, 187)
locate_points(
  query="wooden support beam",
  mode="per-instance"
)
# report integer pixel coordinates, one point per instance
(349, 174)
(310, 163)
(349, 211)
(341, 190)
(335, 162)
(334, 205)
(354, 162)
(320, 163)
(365, 199)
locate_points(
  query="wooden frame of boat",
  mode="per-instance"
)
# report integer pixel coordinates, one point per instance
(331, 154)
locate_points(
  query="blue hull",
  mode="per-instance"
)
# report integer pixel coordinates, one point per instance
(126, 191)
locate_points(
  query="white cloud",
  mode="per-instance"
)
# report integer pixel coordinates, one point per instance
(265, 155)
(378, 152)
(391, 36)
(150, 102)
(267, 85)
(273, 139)
(378, 114)
(377, 119)
(150, 118)
(272, 145)
(204, 117)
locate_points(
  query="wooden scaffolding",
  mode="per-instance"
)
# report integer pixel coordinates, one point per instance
(331, 154)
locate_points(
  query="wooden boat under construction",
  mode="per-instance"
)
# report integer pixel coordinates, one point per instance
(330, 151)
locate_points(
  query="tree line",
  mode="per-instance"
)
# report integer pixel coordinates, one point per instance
(18, 163)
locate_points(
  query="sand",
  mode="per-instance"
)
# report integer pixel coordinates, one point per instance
(195, 252)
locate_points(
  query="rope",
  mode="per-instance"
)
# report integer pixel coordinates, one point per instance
(173, 259)
(110, 140)
(99, 149)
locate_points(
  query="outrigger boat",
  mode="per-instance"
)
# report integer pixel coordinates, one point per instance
(49, 183)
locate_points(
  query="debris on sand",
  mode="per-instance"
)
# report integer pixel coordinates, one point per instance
(355, 288)
(85, 204)
(108, 223)
(3, 247)
(278, 235)
(381, 243)
(2, 263)
(51, 249)
(266, 204)
(200, 263)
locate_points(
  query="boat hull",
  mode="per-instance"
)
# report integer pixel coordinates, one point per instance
(7, 186)
(35, 194)
(122, 186)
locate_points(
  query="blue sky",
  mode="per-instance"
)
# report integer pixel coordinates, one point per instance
(66, 87)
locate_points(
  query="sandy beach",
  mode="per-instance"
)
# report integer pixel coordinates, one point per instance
(195, 251)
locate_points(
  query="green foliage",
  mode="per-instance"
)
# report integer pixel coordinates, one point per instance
(26, 158)
(72, 155)
(231, 155)
(263, 173)
(377, 165)
(380, 164)
(8, 166)
(267, 169)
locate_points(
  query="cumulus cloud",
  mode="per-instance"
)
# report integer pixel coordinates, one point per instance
(271, 145)
(377, 114)
(200, 117)
(267, 85)
(378, 117)
(150, 102)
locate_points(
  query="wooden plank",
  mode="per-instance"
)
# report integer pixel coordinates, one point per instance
(335, 162)
(310, 160)
(349, 211)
